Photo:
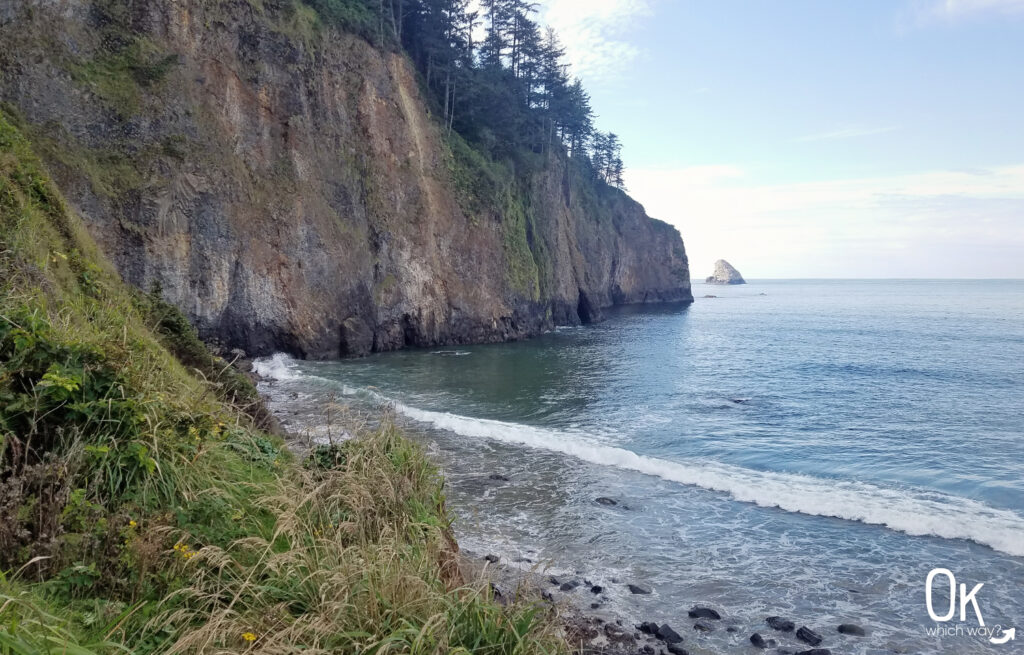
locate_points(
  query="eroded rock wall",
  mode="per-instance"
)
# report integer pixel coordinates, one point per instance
(286, 186)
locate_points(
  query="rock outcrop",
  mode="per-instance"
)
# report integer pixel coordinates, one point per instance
(725, 274)
(286, 187)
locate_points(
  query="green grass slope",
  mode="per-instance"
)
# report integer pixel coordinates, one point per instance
(143, 509)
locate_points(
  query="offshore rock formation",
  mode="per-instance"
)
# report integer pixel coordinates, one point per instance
(286, 187)
(725, 274)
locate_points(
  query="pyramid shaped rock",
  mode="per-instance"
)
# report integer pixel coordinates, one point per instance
(725, 274)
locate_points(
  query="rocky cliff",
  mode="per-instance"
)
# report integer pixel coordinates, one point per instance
(725, 274)
(286, 186)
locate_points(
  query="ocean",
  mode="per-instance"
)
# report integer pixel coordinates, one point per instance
(809, 449)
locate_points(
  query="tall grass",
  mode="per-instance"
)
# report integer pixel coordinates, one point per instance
(143, 510)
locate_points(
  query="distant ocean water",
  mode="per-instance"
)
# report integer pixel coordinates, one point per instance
(810, 449)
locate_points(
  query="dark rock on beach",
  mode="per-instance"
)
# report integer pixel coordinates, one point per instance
(493, 559)
(699, 612)
(676, 649)
(569, 586)
(851, 629)
(637, 589)
(815, 651)
(498, 477)
(761, 642)
(596, 589)
(668, 635)
(808, 636)
(648, 627)
(606, 501)
(780, 624)
(701, 626)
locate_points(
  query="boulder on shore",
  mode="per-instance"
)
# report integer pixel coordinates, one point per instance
(725, 274)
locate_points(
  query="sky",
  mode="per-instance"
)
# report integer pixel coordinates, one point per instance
(814, 138)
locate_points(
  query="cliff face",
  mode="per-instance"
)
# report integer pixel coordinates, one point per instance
(285, 186)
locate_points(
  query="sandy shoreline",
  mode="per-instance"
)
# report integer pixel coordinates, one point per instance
(590, 620)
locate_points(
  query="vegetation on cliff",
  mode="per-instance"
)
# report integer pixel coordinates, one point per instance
(143, 508)
(509, 95)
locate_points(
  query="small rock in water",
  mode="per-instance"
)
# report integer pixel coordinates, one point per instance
(637, 589)
(780, 624)
(699, 612)
(596, 589)
(569, 586)
(760, 641)
(808, 636)
(700, 626)
(732, 628)
(648, 627)
(668, 635)
(648, 649)
(851, 629)
(677, 650)
(594, 606)
(499, 477)
(815, 651)
(606, 501)
(493, 559)
(553, 580)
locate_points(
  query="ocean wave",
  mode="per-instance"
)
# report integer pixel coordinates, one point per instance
(911, 511)
(914, 512)
(278, 367)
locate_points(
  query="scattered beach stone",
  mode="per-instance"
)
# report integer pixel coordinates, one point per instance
(699, 612)
(732, 628)
(499, 477)
(553, 580)
(569, 586)
(851, 629)
(815, 651)
(637, 589)
(668, 635)
(648, 649)
(780, 624)
(648, 627)
(596, 589)
(808, 636)
(546, 595)
(594, 606)
(677, 650)
(759, 641)
(606, 501)
(701, 626)
(493, 559)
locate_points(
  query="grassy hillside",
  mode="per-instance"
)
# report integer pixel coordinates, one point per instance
(143, 508)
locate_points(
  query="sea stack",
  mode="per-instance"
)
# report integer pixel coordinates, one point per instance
(725, 274)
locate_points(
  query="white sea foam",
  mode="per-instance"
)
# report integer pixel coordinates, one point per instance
(279, 367)
(913, 512)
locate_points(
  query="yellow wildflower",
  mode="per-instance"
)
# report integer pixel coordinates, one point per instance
(248, 636)
(132, 524)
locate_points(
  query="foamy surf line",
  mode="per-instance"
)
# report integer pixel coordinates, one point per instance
(913, 513)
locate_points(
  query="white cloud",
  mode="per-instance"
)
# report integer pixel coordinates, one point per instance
(594, 33)
(929, 224)
(847, 133)
(957, 8)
